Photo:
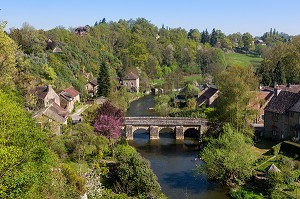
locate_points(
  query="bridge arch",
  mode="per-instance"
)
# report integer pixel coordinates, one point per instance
(192, 133)
(166, 131)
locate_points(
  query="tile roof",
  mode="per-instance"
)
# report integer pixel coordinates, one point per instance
(283, 102)
(130, 76)
(261, 96)
(71, 91)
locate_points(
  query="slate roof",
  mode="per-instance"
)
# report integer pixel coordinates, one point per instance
(71, 91)
(130, 76)
(208, 93)
(41, 92)
(296, 107)
(94, 82)
(289, 87)
(283, 102)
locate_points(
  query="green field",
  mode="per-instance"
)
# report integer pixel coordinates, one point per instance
(242, 59)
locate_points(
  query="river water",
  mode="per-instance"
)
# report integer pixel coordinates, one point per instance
(171, 160)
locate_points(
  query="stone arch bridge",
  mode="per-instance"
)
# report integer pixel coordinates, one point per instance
(153, 125)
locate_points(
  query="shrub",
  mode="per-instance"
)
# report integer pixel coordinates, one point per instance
(275, 149)
(241, 193)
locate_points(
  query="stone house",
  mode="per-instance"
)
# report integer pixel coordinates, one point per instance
(92, 87)
(282, 116)
(68, 98)
(50, 115)
(131, 81)
(45, 96)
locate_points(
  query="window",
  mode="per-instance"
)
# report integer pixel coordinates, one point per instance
(262, 117)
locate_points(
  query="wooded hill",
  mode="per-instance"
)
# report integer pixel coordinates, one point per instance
(64, 57)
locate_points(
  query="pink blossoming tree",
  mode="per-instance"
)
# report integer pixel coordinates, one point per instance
(108, 121)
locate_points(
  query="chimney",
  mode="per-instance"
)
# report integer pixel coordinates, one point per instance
(276, 91)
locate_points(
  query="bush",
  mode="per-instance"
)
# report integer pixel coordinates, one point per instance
(133, 175)
(241, 193)
(275, 149)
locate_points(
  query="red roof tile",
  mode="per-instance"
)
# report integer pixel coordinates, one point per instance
(72, 91)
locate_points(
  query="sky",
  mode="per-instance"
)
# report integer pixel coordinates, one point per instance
(229, 16)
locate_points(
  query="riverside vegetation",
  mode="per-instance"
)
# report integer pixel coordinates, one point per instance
(35, 163)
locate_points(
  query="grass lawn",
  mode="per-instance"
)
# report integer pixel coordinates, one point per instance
(242, 59)
(192, 78)
(261, 148)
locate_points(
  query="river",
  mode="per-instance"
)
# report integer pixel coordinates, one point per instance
(171, 160)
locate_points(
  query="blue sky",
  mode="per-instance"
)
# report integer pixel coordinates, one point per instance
(230, 16)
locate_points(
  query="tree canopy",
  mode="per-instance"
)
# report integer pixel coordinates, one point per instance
(228, 158)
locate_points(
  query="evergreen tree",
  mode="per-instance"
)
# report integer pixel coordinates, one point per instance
(213, 38)
(205, 37)
(271, 32)
(96, 23)
(279, 73)
(103, 81)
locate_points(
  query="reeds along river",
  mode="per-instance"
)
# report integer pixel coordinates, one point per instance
(172, 161)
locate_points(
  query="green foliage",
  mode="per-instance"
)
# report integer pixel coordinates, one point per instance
(74, 178)
(25, 160)
(281, 64)
(162, 105)
(241, 193)
(229, 157)
(8, 62)
(276, 149)
(236, 85)
(103, 81)
(133, 174)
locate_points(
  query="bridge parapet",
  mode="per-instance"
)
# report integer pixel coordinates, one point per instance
(154, 124)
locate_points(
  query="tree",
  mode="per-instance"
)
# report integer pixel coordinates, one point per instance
(213, 38)
(279, 74)
(8, 61)
(205, 37)
(228, 158)
(236, 85)
(195, 35)
(247, 41)
(133, 174)
(28, 168)
(108, 121)
(103, 81)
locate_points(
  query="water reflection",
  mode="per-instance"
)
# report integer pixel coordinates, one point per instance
(173, 161)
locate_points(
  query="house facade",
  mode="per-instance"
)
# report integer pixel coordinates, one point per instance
(131, 81)
(45, 96)
(68, 98)
(92, 87)
(282, 116)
